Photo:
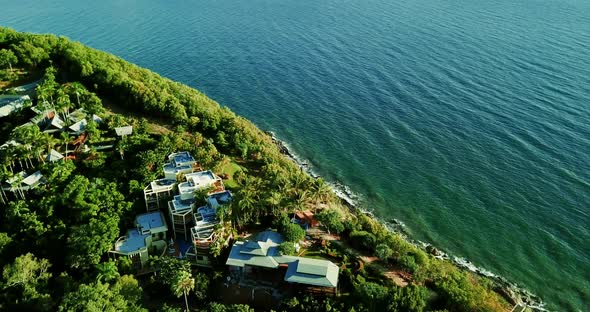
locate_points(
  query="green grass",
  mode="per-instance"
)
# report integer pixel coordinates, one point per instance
(230, 169)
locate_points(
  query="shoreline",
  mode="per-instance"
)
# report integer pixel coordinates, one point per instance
(512, 292)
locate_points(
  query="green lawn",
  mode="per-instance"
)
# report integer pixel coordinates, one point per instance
(230, 169)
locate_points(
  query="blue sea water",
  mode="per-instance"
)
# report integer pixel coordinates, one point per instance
(467, 120)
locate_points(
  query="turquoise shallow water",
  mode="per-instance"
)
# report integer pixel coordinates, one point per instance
(467, 120)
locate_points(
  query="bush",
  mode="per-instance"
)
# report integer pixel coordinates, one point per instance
(363, 239)
(287, 249)
(293, 232)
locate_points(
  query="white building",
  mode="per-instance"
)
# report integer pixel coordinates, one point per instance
(179, 163)
(148, 237)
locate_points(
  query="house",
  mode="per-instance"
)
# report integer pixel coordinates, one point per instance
(306, 219)
(156, 192)
(179, 163)
(203, 233)
(54, 156)
(259, 261)
(147, 238)
(199, 181)
(123, 131)
(181, 215)
(11, 103)
(78, 127)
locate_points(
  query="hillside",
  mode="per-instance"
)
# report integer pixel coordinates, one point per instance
(57, 232)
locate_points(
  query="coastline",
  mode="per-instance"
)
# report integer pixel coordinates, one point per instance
(513, 293)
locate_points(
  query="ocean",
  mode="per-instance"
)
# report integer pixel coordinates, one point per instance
(469, 121)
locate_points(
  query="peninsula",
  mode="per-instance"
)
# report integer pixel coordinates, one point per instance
(125, 191)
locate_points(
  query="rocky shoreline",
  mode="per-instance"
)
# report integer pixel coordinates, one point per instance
(509, 290)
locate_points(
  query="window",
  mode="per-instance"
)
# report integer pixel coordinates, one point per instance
(200, 258)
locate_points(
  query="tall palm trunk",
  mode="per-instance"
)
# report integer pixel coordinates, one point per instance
(185, 300)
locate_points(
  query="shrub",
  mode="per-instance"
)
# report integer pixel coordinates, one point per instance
(293, 232)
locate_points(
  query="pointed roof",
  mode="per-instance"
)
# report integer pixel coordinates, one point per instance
(79, 126)
(121, 131)
(312, 272)
(33, 178)
(54, 156)
(56, 121)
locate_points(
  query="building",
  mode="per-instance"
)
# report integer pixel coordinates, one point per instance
(53, 156)
(157, 193)
(197, 181)
(258, 261)
(203, 233)
(147, 238)
(306, 219)
(24, 182)
(181, 215)
(124, 131)
(11, 103)
(179, 163)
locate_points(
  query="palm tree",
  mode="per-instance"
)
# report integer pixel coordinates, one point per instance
(183, 284)
(274, 200)
(107, 271)
(4, 174)
(65, 138)
(78, 89)
(63, 103)
(320, 191)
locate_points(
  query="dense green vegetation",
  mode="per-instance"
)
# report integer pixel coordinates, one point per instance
(54, 240)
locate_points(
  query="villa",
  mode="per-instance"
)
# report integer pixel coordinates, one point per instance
(179, 163)
(11, 103)
(147, 238)
(258, 262)
(192, 227)
(23, 182)
(203, 233)
(158, 191)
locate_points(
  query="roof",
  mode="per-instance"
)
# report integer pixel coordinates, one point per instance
(133, 242)
(54, 156)
(56, 122)
(10, 103)
(180, 157)
(151, 222)
(121, 131)
(314, 272)
(237, 258)
(33, 178)
(79, 126)
(258, 252)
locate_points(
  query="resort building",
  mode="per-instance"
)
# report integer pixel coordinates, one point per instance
(203, 233)
(179, 163)
(11, 103)
(53, 156)
(258, 262)
(23, 182)
(157, 193)
(202, 180)
(147, 238)
(124, 131)
(181, 215)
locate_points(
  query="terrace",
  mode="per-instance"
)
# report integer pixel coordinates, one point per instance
(179, 163)
(181, 214)
(156, 192)
(197, 181)
(149, 236)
